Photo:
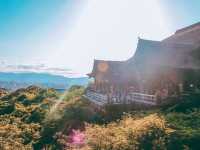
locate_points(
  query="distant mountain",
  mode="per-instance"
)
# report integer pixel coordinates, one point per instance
(14, 81)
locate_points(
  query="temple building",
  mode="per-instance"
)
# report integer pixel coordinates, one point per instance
(157, 71)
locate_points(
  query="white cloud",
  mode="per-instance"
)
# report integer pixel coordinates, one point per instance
(37, 69)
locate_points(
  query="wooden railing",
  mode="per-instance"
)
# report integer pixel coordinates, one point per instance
(133, 97)
(142, 98)
(97, 98)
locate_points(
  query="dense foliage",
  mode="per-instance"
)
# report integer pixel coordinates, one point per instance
(21, 116)
(36, 118)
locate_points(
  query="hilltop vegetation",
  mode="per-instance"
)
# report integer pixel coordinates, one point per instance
(36, 118)
(22, 113)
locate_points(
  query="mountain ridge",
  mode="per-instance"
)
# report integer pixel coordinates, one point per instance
(12, 80)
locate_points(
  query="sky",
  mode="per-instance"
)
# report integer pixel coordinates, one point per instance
(65, 36)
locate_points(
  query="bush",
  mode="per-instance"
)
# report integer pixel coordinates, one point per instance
(6, 107)
(182, 139)
(75, 87)
(128, 134)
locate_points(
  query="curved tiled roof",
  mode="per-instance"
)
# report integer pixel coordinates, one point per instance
(188, 28)
(110, 66)
(190, 35)
(164, 54)
(176, 52)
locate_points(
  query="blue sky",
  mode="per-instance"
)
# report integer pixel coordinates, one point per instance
(182, 12)
(69, 34)
(25, 22)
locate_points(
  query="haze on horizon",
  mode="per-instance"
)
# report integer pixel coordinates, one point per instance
(71, 34)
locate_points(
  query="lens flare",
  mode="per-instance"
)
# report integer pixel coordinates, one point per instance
(54, 108)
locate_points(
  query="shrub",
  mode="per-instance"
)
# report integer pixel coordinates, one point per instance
(128, 134)
(6, 107)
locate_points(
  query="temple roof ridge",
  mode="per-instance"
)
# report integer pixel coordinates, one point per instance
(102, 60)
(188, 28)
(161, 43)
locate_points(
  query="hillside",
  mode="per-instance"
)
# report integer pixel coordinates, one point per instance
(36, 118)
